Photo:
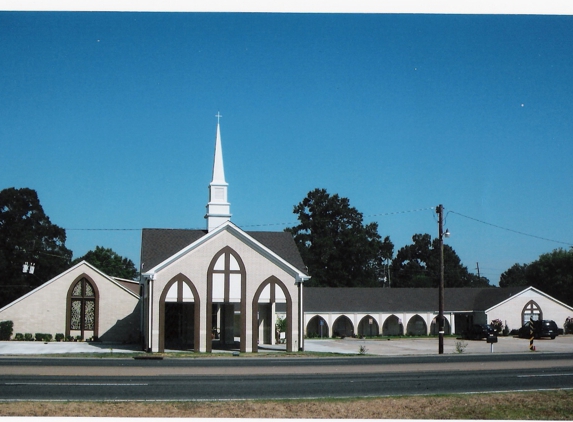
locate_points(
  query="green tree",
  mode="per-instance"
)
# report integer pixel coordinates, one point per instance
(514, 276)
(553, 273)
(418, 265)
(337, 247)
(28, 236)
(110, 262)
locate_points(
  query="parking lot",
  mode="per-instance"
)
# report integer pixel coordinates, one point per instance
(429, 346)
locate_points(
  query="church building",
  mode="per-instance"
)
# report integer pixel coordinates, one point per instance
(214, 287)
(223, 288)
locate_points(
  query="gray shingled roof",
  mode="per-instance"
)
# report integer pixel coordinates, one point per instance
(159, 244)
(363, 299)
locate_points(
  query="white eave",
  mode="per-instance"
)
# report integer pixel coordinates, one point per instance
(237, 232)
(524, 291)
(47, 283)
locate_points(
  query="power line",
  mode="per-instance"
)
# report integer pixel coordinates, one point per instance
(511, 230)
(401, 212)
(369, 215)
(104, 230)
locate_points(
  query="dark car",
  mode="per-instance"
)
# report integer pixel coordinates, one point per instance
(479, 331)
(544, 328)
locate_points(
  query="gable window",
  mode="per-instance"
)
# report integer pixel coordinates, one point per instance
(531, 311)
(82, 307)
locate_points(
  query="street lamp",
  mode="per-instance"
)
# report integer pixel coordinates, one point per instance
(441, 235)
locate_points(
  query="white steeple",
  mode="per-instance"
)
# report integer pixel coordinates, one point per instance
(218, 209)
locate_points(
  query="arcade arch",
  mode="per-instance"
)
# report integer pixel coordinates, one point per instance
(368, 326)
(434, 327)
(416, 326)
(392, 326)
(317, 327)
(342, 327)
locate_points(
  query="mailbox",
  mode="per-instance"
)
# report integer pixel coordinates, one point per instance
(492, 339)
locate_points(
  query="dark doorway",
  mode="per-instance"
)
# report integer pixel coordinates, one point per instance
(179, 325)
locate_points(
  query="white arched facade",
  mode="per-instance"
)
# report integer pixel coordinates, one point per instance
(231, 284)
(374, 319)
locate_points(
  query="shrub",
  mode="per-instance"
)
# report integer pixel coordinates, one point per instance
(59, 336)
(19, 337)
(461, 346)
(28, 337)
(281, 324)
(43, 337)
(69, 338)
(6, 328)
(568, 326)
(497, 325)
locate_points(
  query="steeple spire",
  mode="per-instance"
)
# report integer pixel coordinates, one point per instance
(218, 209)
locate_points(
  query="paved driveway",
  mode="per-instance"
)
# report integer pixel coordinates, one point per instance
(393, 347)
(429, 346)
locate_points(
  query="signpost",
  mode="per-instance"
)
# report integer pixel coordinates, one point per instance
(531, 346)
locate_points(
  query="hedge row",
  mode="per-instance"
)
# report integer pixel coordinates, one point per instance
(45, 337)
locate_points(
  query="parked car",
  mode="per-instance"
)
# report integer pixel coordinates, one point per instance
(479, 331)
(544, 328)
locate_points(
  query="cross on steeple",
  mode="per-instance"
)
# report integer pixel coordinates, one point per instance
(218, 116)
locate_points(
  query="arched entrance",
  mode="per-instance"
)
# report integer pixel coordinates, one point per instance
(416, 326)
(179, 315)
(270, 292)
(317, 327)
(434, 328)
(392, 326)
(368, 326)
(226, 304)
(342, 327)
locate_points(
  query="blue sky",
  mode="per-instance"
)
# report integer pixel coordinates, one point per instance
(110, 117)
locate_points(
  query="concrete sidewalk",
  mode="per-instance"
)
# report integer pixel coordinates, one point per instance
(55, 348)
(393, 347)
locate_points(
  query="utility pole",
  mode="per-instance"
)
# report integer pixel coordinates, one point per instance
(440, 212)
(477, 266)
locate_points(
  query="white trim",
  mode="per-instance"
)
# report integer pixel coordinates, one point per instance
(530, 288)
(105, 276)
(241, 235)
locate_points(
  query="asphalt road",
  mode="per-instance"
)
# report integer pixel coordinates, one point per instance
(283, 378)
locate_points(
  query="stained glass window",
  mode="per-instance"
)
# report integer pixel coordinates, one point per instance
(76, 315)
(82, 306)
(89, 315)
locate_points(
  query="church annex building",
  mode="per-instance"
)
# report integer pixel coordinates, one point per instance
(224, 288)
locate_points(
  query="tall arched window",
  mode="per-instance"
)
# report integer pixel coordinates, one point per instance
(531, 311)
(82, 308)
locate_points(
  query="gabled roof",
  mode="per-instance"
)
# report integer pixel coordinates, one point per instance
(158, 245)
(539, 292)
(365, 299)
(132, 285)
(123, 286)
